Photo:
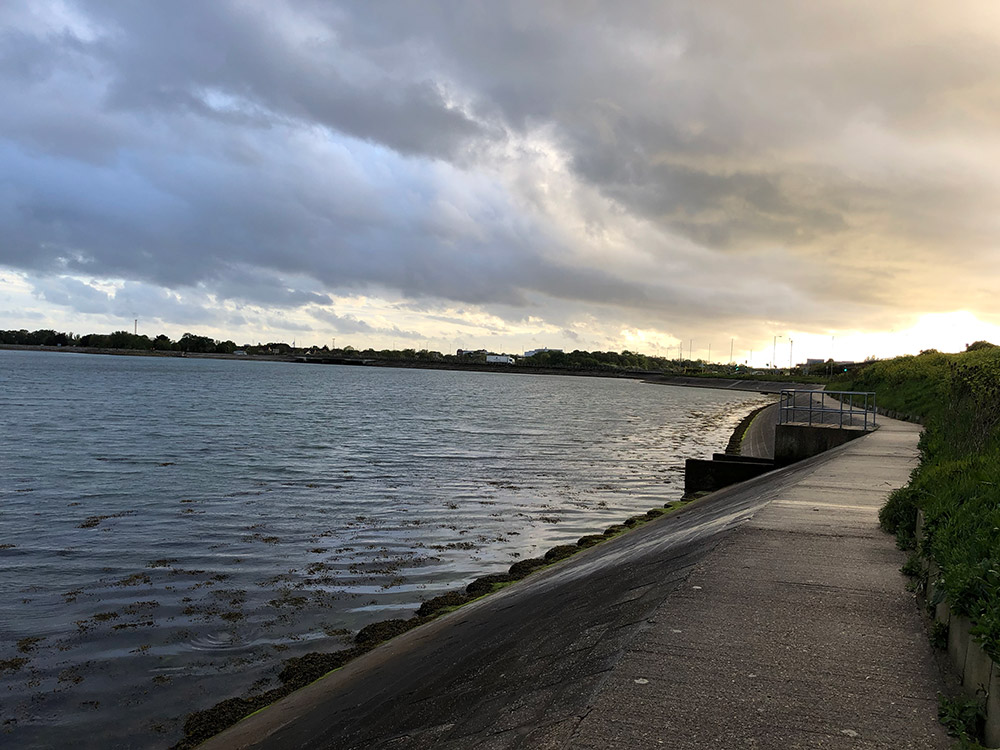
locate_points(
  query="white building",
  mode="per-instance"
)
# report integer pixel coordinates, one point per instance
(533, 352)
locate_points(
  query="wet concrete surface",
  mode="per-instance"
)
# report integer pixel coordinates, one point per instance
(758, 440)
(770, 615)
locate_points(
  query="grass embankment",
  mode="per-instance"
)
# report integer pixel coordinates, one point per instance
(957, 483)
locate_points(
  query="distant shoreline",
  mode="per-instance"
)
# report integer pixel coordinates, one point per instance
(654, 377)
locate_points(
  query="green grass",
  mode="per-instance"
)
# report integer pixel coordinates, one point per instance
(957, 482)
(961, 718)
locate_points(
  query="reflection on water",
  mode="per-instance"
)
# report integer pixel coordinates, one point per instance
(170, 529)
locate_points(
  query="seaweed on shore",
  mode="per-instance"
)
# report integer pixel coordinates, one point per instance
(378, 632)
(297, 672)
(452, 599)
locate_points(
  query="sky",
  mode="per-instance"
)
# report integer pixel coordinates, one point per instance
(762, 181)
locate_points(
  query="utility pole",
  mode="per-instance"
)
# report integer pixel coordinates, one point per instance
(691, 349)
(774, 352)
(710, 354)
(791, 343)
(731, 342)
(135, 330)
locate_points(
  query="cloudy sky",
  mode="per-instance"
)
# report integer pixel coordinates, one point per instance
(593, 175)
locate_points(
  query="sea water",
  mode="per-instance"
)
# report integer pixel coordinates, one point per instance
(172, 528)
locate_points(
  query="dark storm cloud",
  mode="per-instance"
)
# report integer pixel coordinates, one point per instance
(273, 153)
(164, 57)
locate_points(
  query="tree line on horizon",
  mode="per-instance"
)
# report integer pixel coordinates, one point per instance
(189, 342)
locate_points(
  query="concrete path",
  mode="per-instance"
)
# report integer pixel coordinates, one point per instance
(795, 633)
(771, 615)
(758, 386)
(758, 440)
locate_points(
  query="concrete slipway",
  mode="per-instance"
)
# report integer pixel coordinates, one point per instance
(769, 615)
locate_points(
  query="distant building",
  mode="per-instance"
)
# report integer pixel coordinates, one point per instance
(500, 359)
(464, 352)
(533, 352)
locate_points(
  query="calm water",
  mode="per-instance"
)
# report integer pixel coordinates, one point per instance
(170, 529)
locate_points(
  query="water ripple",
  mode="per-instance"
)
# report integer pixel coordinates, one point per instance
(169, 517)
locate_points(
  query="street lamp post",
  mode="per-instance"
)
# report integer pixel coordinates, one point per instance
(791, 343)
(774, 352)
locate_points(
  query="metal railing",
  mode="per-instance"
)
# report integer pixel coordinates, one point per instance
(836, 408)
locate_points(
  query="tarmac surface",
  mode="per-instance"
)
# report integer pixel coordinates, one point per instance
(770, 615)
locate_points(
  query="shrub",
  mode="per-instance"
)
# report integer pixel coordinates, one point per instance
(957, 482)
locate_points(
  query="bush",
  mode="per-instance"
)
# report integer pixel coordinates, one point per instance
(957, 483)
(899, 516)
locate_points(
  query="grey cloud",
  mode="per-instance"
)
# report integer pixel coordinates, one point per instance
(150, 301)
(132, 300)
(75, 294)
(165, 57)
(283, 323)
(722, 89)
(270, 153)
(348, 324)
(270, 290)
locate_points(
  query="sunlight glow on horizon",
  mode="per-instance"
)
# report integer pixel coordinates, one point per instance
(472, 328)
